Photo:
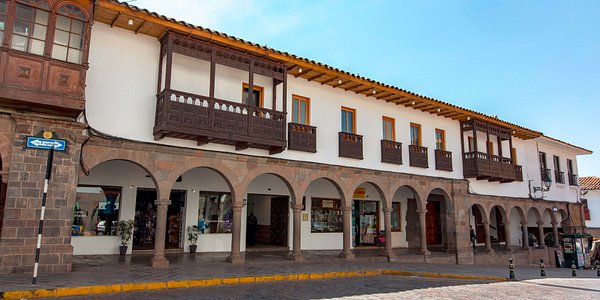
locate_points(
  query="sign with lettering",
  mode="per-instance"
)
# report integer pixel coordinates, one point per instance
(42, 143)
(360, 193)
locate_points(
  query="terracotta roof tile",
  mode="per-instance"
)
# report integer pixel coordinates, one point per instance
(589, 183)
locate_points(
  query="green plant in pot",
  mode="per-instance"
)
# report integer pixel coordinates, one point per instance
(193, 232)
(125, 231)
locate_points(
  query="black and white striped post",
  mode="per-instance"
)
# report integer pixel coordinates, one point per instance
(41, 227)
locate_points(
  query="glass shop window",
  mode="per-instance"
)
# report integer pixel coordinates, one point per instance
(96, 211)
(396, 225)
(326, 215)
(215, 214)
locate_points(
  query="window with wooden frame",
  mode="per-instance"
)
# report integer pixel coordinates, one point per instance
(3, 9)
(30, 26)
(396, 217)
(471, 143)
(415, 134)
(300, 110)
(69, 33)
(570, 166)
(490, 148)
(440, 139)
(514, 155)
(389, 133)
(257, 95)
(348, 120)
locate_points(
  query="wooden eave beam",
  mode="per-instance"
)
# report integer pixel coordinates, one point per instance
(140, 27)
(391, 97)
(381, 95)
(352, 87)
(402, 100)
(340, 84)
(278, 56)
(329, 80)
(304, 72)
(115, 20)
(360, 91)
(422, 106)
(315, 77)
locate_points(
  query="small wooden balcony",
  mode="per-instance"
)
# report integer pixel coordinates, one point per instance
(443, 160)
(417, 156)
(203, 119)
(391, 152)
(546, 175)
(491, 167)
(559, 177)
(350, 145)
(302, 137)
(518, 173)
(573, 180)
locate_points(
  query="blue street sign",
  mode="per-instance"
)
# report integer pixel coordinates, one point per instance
(42, 143)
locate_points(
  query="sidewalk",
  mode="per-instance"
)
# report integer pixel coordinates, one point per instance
(133, 269)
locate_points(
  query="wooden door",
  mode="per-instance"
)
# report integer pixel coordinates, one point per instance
(432, 223)
(279, 220)
(479, 226)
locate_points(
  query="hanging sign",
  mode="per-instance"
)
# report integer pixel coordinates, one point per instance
(360, 193)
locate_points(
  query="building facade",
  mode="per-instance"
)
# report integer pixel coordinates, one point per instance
(590, 195)
(172, 125)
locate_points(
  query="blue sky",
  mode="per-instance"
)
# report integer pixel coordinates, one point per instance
(534, 63)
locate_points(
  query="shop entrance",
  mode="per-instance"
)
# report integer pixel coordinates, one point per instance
(145, 220)
(365, 222)
(267, 220)
(433, 224)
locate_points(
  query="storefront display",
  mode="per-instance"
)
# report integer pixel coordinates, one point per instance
(326, 215)
(214, 212)
(96, 210)
(366, 215)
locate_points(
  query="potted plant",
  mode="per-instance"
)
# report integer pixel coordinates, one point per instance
(125, 230)
(193, 233)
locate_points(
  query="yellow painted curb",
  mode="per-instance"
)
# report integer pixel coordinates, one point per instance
(176, 284)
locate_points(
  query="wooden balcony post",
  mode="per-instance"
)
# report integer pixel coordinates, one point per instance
(499, 146)
(474, 138)
(213, 72)
(284, 96)
(169, 66)
(251, 84)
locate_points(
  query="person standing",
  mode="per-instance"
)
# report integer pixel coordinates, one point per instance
(251, 231)
(473, 236)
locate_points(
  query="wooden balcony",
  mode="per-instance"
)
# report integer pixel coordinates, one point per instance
(443, 160)
(573, 180)
(41, 84)
(491, 167)
(204, 119)
(518, 173)
(417, 156)
(350, 145)
(391, 152)
(302, 137)
(559, 177)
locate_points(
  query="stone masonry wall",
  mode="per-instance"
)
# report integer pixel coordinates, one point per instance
(24, 196)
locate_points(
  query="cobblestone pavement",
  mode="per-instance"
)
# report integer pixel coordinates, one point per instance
(382, 287)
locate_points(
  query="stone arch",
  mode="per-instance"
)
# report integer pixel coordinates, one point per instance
(437, 206)
(478, 216)
(533, 211)
(519, 211)
(135, 162)
(5, 150)
(448, 199)
(498, 225)
(410, 206)
(221, 169)
(516, 217)
(250, 177)
(377, 188)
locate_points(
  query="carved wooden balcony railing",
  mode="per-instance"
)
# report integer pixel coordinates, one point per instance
(391, 152)
(350, 145)
(302, 137)
(417, 156)
(43, 83)
(443, 160)
(573, 180)
(546, 175)
(559, 177)
(204, 119)
(492, 167)
(518, 173)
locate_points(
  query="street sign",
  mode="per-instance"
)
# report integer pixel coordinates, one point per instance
(42, 143)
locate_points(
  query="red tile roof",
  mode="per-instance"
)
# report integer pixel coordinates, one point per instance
(589, 183)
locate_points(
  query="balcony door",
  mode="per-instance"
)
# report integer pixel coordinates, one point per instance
(543, 164)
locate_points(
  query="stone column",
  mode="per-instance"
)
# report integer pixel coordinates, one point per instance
(423, 231)
(387, 218)
(236, 257)
(507, 236)
(488, 240)
(525, 236)
(347, 220)
(541, 242)
(159, 260)
(555, 234)
(297, 249)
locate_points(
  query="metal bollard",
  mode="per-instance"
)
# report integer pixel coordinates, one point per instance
(573, 270)
(542, 268)
(511, 267)
(598, 268)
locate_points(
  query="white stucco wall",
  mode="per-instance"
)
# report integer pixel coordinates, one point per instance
(593, 200)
